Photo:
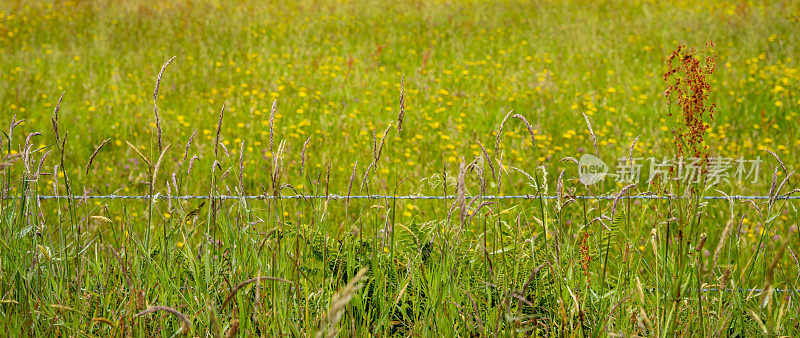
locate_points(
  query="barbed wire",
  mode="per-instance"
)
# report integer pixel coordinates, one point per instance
(403, 197)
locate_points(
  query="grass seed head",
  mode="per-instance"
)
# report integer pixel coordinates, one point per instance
(191, 163)
(352, 178)
(14, 124)
(158, 126)
(777, 158)
(591, 133)
(303, 155)
(633, 145)
(527, 126)
(94, 154)
(160, 74)
(500, 134)
(219, 130)
(41, 162)
(54, 119)
(402, 112)
(136, 150)
(188, 145)
(461, 191)
(271, 125)
(383, 141)
(155, 97)
(328, 325)
(241, 163)
(487, 159)
(158, 165)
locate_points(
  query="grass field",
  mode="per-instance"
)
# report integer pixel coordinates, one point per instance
(341, 99)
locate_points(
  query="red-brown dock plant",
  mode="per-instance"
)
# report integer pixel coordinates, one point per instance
(687, 86)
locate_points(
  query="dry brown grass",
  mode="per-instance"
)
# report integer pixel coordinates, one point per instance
(328, 326)
(186, 324)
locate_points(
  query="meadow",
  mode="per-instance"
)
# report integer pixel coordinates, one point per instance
(267, 144)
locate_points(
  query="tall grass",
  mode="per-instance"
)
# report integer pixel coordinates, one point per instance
(463, 265)
(274, 266)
